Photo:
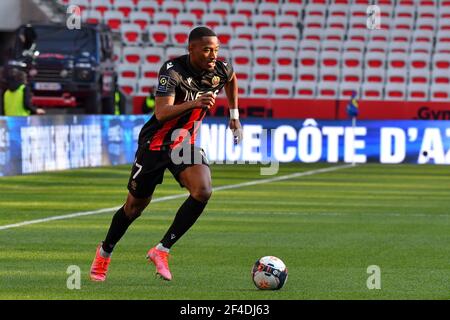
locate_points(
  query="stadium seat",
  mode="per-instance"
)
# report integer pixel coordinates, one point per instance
(220, 8)
(129, 71)
(132, 55)
(150, 71)
(440, 76)
(186, 19)
(291, 45)
(307, 59)
(131, 34)
(291, 9)
(141, 19)
(163, 19)
(124, 6)
(352, 75)
(197, 8)
(397, 60)
(224, 55)
(286, 21)
(334, 34)
(382, 35)
(338, 10)
(289, 34)
(418, 92)
(242, 57)
(403, 23)
(246, 33)
(308, 74)
(263, 57)
(101, 6)
(146, 86)
(172, 7)
(283, 73)
(419, 61)
(285, 58)
(84, 5)
(332, 45)
(237, 20)
(316, 10)
(374, 76)
(260, 21)
(441, 61)
(309, 45)
(358, 35)
(395, 91)
(352, 59)
(237, 43)
(282, 89)
(346, 90)
(329, 59)
(174, 52)
(114, 19)
(442, 47)
(269, 33)
(159, 35)
(440, 92)
(327, 90)
(377, 46)
(401, 47)
(372, 91)
(212, 20)
(179, 35)
(260, 89)
(246, 8)
(305, 90)
(314, 34)
(396, 76)
(224, 34)
(243, 72)
(262, 73)
(404, 11)
(128, 86)
(269, 9)
(358, 10)
(147, 6)
(357, 22)
(375, 60)
(443, 36)
(154, 55)
(422, 36)
(419, 76)
(314, 22)
(243, 88)
(337, 22)
(91, 16)
(428, 12)
(401, 35)
(426, 24)
(263, 44)
(329, 74)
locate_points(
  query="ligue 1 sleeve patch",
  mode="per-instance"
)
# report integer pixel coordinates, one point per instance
(163, 83)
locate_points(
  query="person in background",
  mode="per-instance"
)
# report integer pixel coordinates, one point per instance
(148, 105)
(120, 101)
(17, 95)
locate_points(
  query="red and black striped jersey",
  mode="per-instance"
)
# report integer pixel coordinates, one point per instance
(179, 79)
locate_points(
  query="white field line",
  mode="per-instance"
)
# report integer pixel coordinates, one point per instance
(177, 196)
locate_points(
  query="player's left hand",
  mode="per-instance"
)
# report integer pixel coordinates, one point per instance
(236, 128)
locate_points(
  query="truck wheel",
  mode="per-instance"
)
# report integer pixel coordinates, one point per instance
(94, 103)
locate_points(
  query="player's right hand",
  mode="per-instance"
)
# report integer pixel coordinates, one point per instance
(206, 100)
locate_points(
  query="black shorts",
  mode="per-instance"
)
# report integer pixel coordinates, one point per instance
(149, 167)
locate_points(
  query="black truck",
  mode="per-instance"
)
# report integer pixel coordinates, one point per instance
(70, 69)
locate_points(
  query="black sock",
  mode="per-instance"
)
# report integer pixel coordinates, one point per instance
(185, 218)
(119, 225)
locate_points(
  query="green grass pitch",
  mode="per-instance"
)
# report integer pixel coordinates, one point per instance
(327, 228)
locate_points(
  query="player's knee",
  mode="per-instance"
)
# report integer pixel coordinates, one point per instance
(202, 194)
(133, 210)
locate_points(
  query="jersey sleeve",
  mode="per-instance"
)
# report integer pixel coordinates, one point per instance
(229, 70)
(168, 80)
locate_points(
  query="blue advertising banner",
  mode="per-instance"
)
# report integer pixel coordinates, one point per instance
(47, 143)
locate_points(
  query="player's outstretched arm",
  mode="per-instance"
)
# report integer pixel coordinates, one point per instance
(165, 109)
(231, 90)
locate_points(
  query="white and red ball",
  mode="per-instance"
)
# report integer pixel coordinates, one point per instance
(269, 273)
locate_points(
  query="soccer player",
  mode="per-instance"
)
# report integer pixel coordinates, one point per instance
(186, 89)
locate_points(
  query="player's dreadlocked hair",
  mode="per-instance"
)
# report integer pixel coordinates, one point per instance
(201, 32)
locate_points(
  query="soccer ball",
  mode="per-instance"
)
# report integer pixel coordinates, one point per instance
(269, 273)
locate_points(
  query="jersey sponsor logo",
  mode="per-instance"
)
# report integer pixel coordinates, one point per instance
(163, 83)
(215, 81)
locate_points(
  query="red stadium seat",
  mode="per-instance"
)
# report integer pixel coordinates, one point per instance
(147, 6)
(395, 91)
(174, 52)
(246, 8)
(242, 57)
(247, 33)
(283, 73)
(440, 92)
(141, 19)
(332, 45)
(186, 19)
(132, 55)
(372, 91)
(397, 60)
(220, 8)
(352, 75)
(196, 8)
(308, 74)
(269, 9)
(418, 92)
(328, 90)
(262, 72)
(260, 21)
(308, 59)
(282, 89)
(114, 19)
(419, 76)
(263, 57)
(129, 71)
(285, 58)
(124, 6)
(172, 7)
(179, 35)
(330, 74)
(374, 76)
(263, 44)
(224, 34)
(131, 34)
(212, 20)
(154, 55)
(346, 90)
(260, 89)
(163, 19)
(159, 34)
(243, 72)
(305, 90)
(150, 71)
(292, 9)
